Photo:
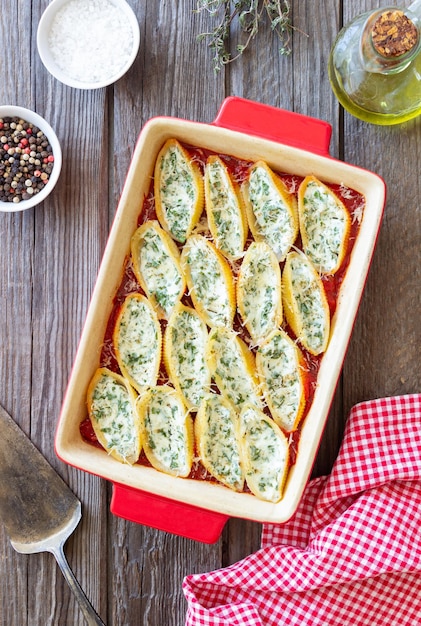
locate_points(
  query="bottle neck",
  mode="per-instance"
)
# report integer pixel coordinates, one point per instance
(390, 40)
(414, 10)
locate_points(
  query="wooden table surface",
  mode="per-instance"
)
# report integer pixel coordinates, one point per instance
(50, 256)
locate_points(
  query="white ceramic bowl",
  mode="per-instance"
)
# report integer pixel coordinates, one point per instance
(33, 118)
(88, 44)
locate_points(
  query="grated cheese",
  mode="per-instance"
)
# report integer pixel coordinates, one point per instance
(90, 40)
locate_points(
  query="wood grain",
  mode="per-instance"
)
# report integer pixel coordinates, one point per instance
(50, 258)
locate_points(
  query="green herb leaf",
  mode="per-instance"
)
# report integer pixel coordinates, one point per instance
(250, 14)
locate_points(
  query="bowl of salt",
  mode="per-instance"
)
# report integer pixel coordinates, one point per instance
(88, 44)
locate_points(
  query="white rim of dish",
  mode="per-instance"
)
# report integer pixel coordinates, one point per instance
(30, 116)
(51, 66)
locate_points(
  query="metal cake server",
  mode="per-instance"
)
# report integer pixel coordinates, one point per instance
(37, 508)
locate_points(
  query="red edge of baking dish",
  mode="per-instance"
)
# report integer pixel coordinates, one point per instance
(286, 127)
(293, 129)
(156, 511)
(162, 513)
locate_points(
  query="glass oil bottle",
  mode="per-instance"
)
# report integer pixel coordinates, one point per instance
(375, 65)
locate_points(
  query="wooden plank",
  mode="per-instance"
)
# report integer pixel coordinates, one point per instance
(384, 352)
(16, 261)
(266, 76)
(318, 24)
(69, 235)
(172, 76)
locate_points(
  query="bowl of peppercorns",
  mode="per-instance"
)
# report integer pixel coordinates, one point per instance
(30, 158)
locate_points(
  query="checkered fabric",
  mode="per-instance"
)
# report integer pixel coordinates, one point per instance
(351, 555)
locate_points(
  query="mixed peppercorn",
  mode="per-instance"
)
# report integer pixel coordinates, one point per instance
(26, 160)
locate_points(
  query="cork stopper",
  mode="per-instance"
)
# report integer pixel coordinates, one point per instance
(394, 34)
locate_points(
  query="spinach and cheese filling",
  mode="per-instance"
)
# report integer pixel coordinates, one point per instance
(281, 368)
(156, 264)
(259, 291)
(167, 431)
(324, 225)
(305, 303)
(265, 454)
(218, 441)
(137, 342)
(184, 352)
(111, 406)
(271, 210)
(224, 209)
(232, 366)
(192, 389)
(210, 281)
(178, 187)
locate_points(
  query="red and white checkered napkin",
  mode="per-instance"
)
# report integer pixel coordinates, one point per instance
(351, 555)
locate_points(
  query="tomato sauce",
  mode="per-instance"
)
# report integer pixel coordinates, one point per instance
(354, 203)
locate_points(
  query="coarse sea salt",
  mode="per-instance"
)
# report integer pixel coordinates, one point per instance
(90, 40)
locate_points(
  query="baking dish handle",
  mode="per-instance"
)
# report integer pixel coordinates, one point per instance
(165, 514)
(280, 125)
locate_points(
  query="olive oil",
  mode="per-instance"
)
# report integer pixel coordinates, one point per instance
(375, 87)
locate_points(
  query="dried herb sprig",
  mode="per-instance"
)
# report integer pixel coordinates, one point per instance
(250, 14)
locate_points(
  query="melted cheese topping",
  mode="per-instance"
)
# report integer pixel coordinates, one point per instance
(217, 434)
(185, 343)
(210, 281)
(278, 363)
(259, 291)
(224, 210)
(265, 452)
(111, 409)
(232, 365)
(324, 224)
(177, 190)
(167, 436)
(159, 419)
(157, 266)
(310, 319)
(137, 341)
(273, 216)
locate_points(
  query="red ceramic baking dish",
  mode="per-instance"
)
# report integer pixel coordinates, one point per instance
(289, 143)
